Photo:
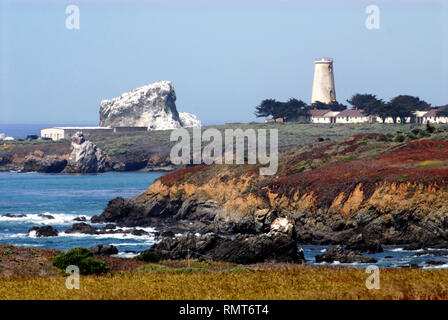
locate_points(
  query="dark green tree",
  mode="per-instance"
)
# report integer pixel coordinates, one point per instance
(288, 111)
(369, 103)
(265, 108)
(403, 106)
(381, 110)
(443, 111)
(333, 106)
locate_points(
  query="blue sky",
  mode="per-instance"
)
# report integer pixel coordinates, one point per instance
(223, 57)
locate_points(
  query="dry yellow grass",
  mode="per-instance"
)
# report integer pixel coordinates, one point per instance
(284, 282)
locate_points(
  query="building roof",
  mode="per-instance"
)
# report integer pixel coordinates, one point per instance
(77, 128)
(431, 113)
(351, 113)
(319, 112)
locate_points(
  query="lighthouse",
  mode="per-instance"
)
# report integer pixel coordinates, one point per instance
(323, 85)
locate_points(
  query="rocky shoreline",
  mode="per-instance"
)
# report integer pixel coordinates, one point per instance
(357, 195)
(81, 155)
(387, 204)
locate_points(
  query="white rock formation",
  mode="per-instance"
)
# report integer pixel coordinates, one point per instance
(152, 106)
(86, 157)
(189, 120)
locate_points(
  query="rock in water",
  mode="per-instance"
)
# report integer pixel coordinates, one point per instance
(279, 244)
(104, 250)
(41, 232)
(86, 157)
(152, 106)
(82, 228)
(343, 255)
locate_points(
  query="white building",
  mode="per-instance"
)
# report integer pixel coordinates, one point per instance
(323, 116)
(352, 116)
(58, 133)
(431, 117)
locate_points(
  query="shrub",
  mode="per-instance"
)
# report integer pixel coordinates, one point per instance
(416, 131)
(383, 137)
(400, 138)
(71, 257)
(148, 256)
(83, 259)
(92, 266)
(202, 259)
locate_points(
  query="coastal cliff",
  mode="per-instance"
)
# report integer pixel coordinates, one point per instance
(332, 192)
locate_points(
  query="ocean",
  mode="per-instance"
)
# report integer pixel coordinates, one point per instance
(23, 130)
(66, 196)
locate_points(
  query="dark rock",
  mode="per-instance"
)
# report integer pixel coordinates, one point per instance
(46, 231)
(428, 243)
(342, 255)
(435, 263)
(47, 164)
(138, 232)
(110, 226)
(104, 250)
(277, 245)
(431, 253)
(360, 243)
(133, 213)
(12, 215)
(168, 233)
(388, 257)
(81, 219)
(82, 228)
(46, 216)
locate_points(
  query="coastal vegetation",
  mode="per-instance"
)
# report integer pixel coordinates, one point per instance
(83, 259)
(217, 280)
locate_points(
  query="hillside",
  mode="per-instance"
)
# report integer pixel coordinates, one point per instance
(150, 150)
(386, 187)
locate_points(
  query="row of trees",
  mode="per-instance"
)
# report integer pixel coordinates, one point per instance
(398, 108)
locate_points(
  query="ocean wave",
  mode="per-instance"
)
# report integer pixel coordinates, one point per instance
(32, 234)
(13, 236)
(442, 266)
(125, 255)
(38, 218)
(108, 236)
(130, 243)
(396, 250)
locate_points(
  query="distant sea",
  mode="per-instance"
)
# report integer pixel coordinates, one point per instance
(23, 130)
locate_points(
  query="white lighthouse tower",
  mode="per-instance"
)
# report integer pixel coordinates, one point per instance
(323, 85)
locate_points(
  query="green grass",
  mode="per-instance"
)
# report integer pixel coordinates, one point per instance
(431, 163)
(277, 282)
(155, 268)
